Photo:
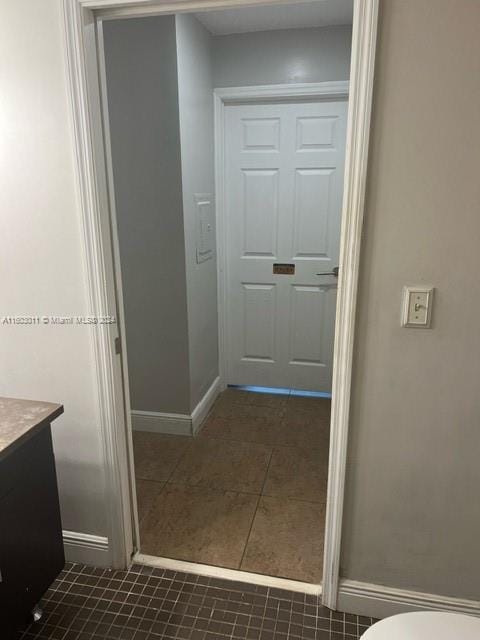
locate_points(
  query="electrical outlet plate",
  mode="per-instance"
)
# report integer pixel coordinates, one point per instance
(417, 307)
(205, 213)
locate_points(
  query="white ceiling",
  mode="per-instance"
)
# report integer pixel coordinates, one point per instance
(321, 13)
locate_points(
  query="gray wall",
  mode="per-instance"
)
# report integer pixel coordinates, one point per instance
(143, 108)
(412, 515)
(281, 57)
(195, 90)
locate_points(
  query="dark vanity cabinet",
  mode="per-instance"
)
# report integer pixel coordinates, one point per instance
(31, 546)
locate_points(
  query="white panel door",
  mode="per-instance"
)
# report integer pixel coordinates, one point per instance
(284, 167)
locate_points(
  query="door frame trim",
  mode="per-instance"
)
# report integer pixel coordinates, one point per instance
(362, 71)
(249, 95)
(92, 184)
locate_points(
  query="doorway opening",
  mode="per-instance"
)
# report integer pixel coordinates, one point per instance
(83, 25)
(228, 203)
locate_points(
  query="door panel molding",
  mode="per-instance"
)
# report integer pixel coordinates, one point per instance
(95, 208)
(284, 204)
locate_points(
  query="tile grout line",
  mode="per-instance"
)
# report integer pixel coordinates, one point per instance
(256, 509)
(179, 460)
(247, 538)
(165, 482)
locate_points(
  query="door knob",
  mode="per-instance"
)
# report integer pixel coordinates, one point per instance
(333, 272)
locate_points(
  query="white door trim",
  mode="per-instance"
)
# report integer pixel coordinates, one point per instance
(84, 82)
(135, 537)
(95, 205)
(114, 9)
(362, 68)
(249, 95)
(334, 89)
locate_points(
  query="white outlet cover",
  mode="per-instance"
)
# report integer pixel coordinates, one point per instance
(417, 307)
(205, 214)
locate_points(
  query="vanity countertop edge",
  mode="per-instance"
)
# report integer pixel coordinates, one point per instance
(21, 419)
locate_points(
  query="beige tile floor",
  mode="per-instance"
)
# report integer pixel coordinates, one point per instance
(248, 492)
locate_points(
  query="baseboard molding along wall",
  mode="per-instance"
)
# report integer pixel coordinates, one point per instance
(379, 601)
(86, 549)
(361, 598)
(179, 424)
(202, 409)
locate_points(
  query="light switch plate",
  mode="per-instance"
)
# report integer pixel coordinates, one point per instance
(417, 307)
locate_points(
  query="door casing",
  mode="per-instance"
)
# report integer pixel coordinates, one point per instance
(96, 208)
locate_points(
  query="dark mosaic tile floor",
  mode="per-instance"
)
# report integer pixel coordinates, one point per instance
(144, 603)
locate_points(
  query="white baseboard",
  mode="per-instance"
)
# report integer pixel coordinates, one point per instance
(227, 574)
(180, 424)
(86, 549)
(379, 601)
(202, 409)
(172, 423)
